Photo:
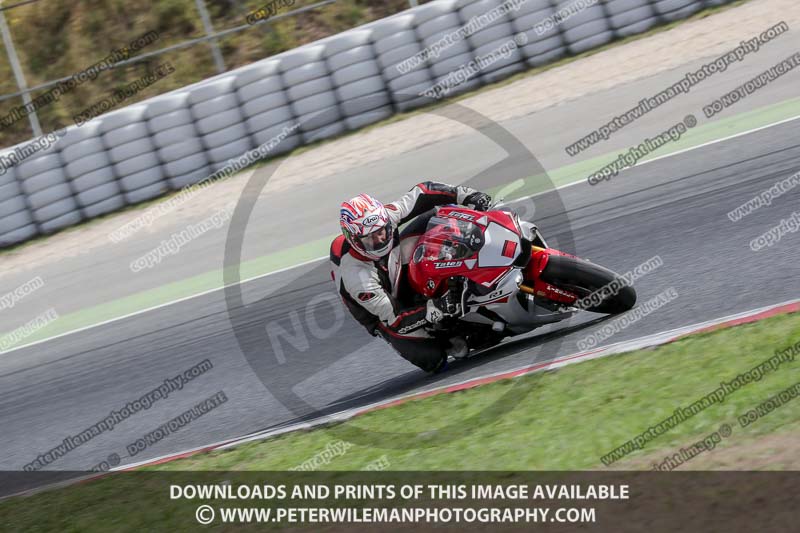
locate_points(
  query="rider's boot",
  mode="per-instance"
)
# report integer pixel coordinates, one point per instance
(441, 366)
(458, 348)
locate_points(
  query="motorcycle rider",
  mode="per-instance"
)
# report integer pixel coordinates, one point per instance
(368, 268)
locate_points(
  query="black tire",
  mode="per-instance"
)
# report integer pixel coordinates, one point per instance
(483, 338)
(583, 278)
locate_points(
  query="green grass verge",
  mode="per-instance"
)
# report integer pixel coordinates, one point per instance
(175, 291)
(564, 419)
(559, 420)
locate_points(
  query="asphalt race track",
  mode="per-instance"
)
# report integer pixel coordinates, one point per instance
(674, 207)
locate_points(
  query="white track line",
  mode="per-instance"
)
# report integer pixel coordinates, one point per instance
(715, 141)
(671, 154)
(260, 276)
(159, 306)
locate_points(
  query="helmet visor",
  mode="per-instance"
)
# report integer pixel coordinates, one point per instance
(378, 239)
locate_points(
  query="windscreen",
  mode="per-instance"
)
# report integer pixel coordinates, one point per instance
(448, 239)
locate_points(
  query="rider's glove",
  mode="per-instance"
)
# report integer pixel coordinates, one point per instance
(479, 201)
(439, 308)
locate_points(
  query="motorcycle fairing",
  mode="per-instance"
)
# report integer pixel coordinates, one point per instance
(461, 242)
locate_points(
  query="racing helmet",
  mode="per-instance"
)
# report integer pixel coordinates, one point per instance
(366, 226)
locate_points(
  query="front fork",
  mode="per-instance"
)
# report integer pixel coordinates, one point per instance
(534, 284)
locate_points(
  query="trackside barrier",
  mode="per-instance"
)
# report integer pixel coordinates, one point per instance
(328, 87)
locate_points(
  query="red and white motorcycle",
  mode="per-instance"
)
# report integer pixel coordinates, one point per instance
(509, 280)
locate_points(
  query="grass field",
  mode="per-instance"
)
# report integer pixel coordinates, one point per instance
(565, 419)
(557, 420)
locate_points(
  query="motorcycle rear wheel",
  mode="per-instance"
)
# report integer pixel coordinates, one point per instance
(583, 278)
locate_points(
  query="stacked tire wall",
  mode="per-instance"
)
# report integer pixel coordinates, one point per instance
(320, 90)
